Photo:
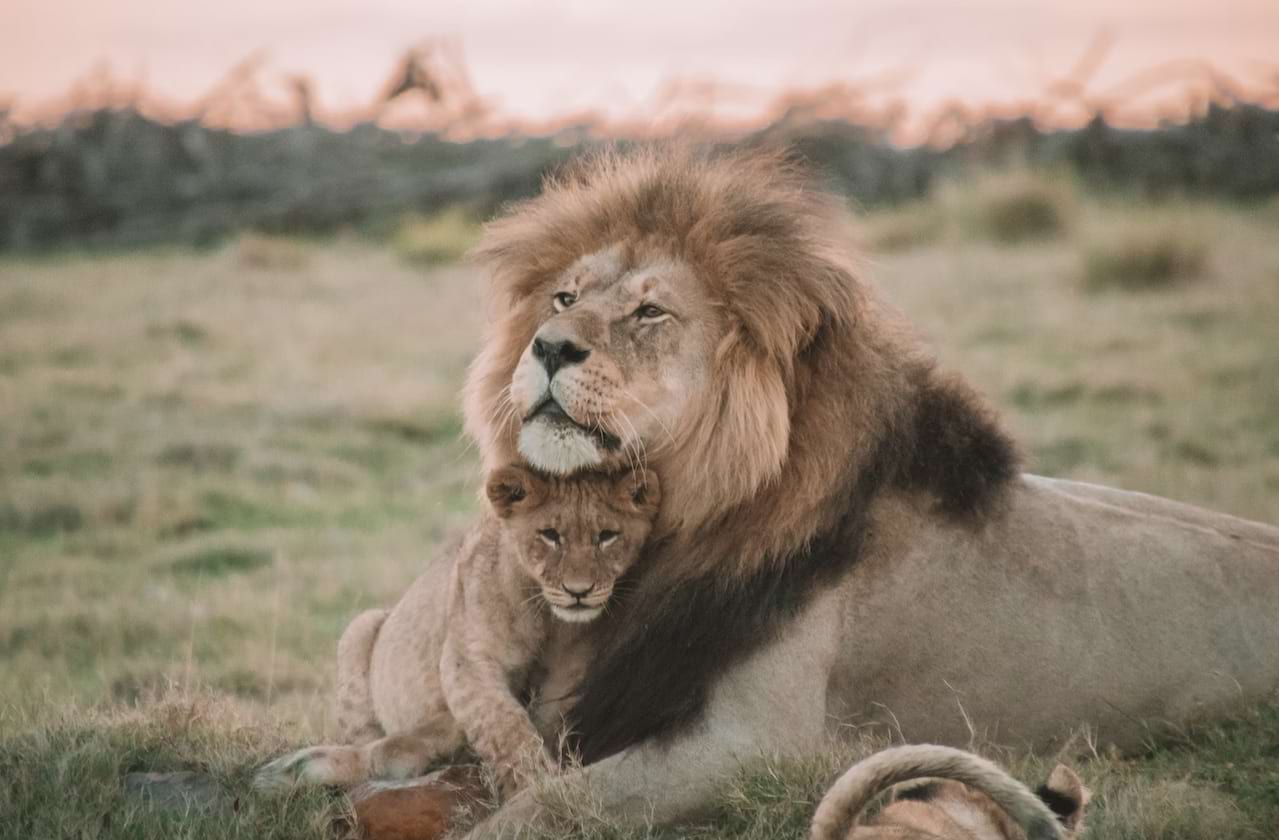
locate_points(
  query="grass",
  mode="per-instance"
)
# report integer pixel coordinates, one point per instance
(1144, 256)
(436, 240)
(1009, 207)
(1167, 793)
(209, 463)
(1012, 207)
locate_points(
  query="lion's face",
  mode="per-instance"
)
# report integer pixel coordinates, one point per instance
(619, 355)
(576, 536)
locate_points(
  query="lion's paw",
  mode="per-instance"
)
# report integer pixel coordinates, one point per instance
(338, 766)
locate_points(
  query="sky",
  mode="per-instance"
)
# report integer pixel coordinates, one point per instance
(537, 59)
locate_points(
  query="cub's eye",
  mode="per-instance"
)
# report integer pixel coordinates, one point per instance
(563, 300)
(649, 312)
(606, 538)
(550, 536)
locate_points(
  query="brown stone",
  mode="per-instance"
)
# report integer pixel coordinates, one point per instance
(419, 809)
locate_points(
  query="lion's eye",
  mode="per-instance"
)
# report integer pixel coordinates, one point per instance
(606, 538)
(649, 312)
(550, 536)
(563, 300)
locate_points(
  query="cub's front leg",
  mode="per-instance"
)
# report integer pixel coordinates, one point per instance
(478, 693)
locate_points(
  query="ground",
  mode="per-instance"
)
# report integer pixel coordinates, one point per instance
(210, 461)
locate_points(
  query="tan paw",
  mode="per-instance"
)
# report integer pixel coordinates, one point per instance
(338, 766)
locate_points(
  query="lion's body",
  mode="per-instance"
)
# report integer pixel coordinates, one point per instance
(845, 533)
(886, 560)
(1079, 605)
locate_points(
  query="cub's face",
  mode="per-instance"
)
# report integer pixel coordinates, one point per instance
(574, 536)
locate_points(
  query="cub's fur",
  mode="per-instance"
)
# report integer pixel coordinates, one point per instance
(969, 798)
(551, 548)
(569, 538)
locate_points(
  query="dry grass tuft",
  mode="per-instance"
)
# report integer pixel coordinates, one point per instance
(1012, 207)
(904, 228)
(1144, 255)
(434, 240)
(1138, 809)
(270, 253)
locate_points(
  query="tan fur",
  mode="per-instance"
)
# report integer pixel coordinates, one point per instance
(974, 799)
(468, 664)
(753, 265)
(1150, 609)
(1144, 608)
(498, 624)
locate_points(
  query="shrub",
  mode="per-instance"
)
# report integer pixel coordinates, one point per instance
(903, 228)
(272, 253)
(435, 240)
(1143, 256)
(1013, 207)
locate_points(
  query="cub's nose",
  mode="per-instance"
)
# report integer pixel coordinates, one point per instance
(555, 353)
(578, 588)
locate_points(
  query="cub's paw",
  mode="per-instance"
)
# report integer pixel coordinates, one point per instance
(338, 766)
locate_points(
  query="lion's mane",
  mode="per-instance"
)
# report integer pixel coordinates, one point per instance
(823, 400)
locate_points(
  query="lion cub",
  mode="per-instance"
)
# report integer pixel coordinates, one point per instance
(562, 543)
(449, 664)
(966, 798)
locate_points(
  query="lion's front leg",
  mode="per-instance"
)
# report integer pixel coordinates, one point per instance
(497, 726)
(773, 704)
(393, 757)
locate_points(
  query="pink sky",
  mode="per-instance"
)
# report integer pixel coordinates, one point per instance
(536, 59)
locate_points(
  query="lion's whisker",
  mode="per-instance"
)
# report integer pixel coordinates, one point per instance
(641, 452)
(626, 393)
(629, 446)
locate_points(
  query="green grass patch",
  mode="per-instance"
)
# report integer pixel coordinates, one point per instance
(234, 512)
(1059, 457)
(200, 457)
(221, 561)
(41, 521)
(71, 357)
(85, 463)
(434, 240)
(182, 331)
(79, 639)
(440, 427)
(67, 778)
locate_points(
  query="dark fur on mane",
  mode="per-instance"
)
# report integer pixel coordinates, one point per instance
(664, 649)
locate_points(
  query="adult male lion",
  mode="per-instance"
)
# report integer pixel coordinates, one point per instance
(844, 533)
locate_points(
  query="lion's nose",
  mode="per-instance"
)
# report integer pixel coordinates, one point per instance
(578, 588)
(557, 353)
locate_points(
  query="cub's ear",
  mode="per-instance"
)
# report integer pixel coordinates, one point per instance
(1066, 795)
(514, 488)
(641, 490)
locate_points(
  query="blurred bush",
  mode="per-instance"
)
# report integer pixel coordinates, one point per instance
(115, 177)
(912, 225)
(1143, 255)
(1012, 206)
(255, 250)
(432, 240)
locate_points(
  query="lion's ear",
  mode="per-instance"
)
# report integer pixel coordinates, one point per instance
(641, 490)
(514, 488)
